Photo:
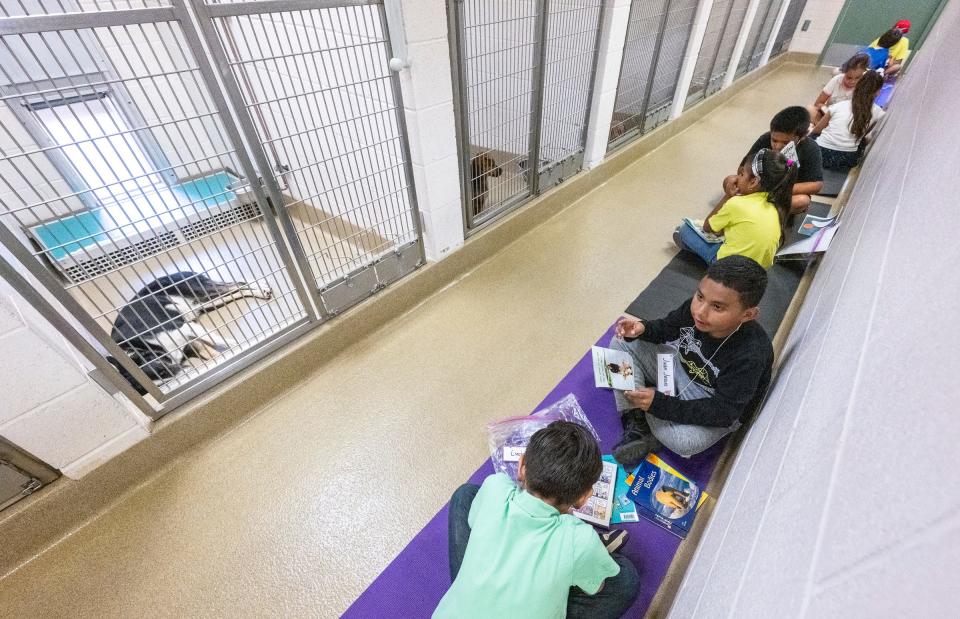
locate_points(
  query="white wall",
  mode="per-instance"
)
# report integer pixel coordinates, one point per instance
(50, 407)
(823, 16)
(843, 501)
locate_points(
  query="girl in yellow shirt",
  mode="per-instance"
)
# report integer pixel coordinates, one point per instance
(752, 220)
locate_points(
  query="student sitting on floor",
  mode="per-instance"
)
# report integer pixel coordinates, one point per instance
(722, 361)
(840, 87)
(845, 125)
(899, 51)
(879, 50)
(752, 216)
(791, 125)
(518, 552)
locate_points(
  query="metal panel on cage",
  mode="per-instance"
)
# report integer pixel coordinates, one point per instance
(673, 47)
(756, 38)
(523, 77)
(641, 48)
(569, 63)
(765, 33)
(790, 21)
(712, 39)
(734, 24)
(325, 107)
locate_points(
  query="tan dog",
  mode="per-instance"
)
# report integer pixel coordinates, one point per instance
(481, 167)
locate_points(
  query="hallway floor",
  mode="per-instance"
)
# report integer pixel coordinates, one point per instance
(295, 511)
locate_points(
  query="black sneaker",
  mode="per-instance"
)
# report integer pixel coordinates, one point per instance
(630, 453)
(614, 539)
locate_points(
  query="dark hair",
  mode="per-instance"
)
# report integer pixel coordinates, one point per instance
(860, 60)
(741, 274)
(890, 38)
(777, 176)
(562, 462)
(862, 103)
(794, 120)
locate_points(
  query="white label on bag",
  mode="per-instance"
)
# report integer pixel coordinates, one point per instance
(665, 373)
(512, 453)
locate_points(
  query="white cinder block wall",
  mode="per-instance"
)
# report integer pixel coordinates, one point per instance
(823, 16)
(50, 407)
(843, 501)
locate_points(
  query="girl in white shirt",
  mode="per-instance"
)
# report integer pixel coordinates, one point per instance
(840, 87)
(845, 124)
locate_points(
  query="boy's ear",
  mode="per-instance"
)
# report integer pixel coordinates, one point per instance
(583, 500)
(521, 470)
(750, 314)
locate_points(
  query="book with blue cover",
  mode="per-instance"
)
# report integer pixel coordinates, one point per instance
(665, 496)
(624, 510)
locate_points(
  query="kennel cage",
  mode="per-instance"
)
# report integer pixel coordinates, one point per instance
(789, 27)
(723, 27)
(247, 141)
(760, 32)
(654, 49)
(523, 82)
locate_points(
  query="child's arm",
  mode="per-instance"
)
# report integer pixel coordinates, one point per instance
(822, 124)
(822, 99)
(807, 189)
(716, 209)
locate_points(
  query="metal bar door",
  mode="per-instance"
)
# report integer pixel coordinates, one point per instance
(523, 80)
(313, 82)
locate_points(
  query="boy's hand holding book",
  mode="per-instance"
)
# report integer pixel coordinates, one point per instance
(642, 398)
(629, 327)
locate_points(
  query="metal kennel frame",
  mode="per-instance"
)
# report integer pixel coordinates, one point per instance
(789, 26)
(523, 73)
(760, 32)
(654, 49)
(258, 141)
(723, 26)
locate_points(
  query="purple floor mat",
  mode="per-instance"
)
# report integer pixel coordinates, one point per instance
(412, 585)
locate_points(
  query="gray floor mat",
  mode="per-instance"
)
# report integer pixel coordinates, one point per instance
(833, 181)
(678, 280)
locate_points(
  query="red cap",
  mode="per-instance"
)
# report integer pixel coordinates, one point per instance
(903, 25)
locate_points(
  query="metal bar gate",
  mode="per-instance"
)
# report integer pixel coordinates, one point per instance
(523, 83)
(196, 184)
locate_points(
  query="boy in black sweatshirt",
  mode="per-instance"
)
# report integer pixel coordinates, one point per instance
(722, 361)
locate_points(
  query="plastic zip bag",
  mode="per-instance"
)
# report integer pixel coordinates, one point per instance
(508, 438)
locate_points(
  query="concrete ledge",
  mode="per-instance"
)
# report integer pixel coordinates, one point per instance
(36, 523)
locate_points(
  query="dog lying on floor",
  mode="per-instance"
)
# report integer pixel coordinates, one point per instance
(481, 167)
(159, 327)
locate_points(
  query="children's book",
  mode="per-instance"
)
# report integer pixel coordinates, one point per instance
(790, 152)
(812, 224)
(818, 241)
(665, 496)
(697, 225)
(599, 507)
(624, 510)
(613, 369)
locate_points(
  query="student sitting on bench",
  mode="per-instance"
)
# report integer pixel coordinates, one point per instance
(752, 217)
(722, 361)
(791, 125)
(845, 125)
(518, 552)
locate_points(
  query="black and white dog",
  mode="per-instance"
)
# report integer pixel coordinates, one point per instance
(159, 327)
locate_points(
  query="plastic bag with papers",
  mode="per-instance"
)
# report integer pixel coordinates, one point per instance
(508, 438)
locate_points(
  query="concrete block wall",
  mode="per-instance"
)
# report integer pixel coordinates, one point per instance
(823, 16)
(427, 89)
(50, 406)
(843, 499)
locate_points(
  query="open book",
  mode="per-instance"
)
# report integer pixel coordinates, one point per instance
(697, 225)
(613, 369)
(599, 507)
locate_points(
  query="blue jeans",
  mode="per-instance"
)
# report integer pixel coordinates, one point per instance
(693, 242)
(614, 598)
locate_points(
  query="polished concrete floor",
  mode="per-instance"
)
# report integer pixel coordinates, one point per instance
(295, 511)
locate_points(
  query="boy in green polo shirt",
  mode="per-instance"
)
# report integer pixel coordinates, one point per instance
(518, 552)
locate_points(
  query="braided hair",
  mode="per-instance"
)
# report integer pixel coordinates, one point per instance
(777, 174)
